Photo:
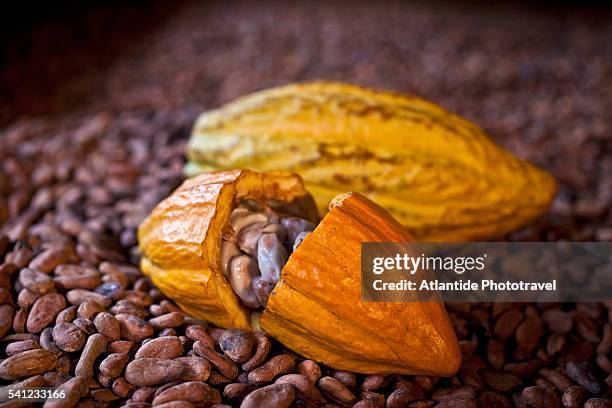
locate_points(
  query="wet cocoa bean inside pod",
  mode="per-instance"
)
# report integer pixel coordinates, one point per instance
(273, 396)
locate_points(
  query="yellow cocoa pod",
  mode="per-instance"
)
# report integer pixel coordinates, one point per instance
(314, 304)
(437, 173)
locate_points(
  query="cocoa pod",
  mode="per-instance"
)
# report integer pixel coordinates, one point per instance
(397, 135)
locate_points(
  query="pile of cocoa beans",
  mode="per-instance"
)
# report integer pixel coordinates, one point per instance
(76, 313)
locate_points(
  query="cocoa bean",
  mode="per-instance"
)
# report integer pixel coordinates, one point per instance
(162, 347)
(493, 399)
(121, 387)
(225, 366)
(347, 378)
(27, 363)
(173, 319)
(581, 373)
(303, 386)
(501, 381)
(133, 328)
(121, 346)
(541, 397)
(144, 372)
(67, 315)
(96, 345)
(308, 369)
(557, 321)
(78, 296)
(20, 346)
(36, 282)
(7, 312)
(276, 366)
(337, 391)
(44, 311)
(507, 323)
(104, 395)
(262, 348)
(89, 309)
(49, 259)
(574, 397)
(198, 333)
(73, 390)
(196, 368)
(234, 393)
(84, 324)
(189, 391)
(107, 325)
(558, 379)
(273, 396)
(373, 383)
(237, 345)
(598, 403)
(68, 337)
(112, 366)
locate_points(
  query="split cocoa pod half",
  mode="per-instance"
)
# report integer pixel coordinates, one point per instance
(245, 250)
(437, 173)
